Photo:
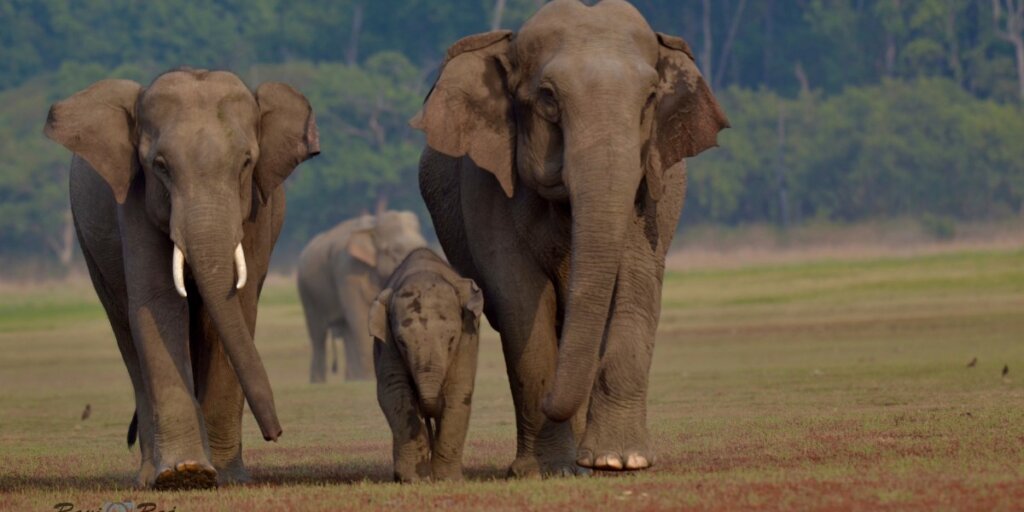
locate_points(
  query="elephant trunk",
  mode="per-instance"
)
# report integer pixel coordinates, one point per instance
(602, 180)
(431, 406)
(429, 383)
(218, 266)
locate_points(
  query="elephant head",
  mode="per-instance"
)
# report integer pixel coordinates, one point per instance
(426, 317)
(585, 105)
(386, 243)
(210, 153)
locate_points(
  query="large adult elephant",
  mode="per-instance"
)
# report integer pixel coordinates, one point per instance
(341, 271)
(555, 178)
(177, 199)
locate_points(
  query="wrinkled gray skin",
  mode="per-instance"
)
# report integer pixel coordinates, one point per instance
(426, 326)
(340, 272)
(196, 161)
(555, 177)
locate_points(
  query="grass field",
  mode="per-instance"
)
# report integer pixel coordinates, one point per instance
(823, 385)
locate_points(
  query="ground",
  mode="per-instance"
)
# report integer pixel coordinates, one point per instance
(830, 384)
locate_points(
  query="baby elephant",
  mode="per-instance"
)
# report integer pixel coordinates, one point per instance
(425, 326)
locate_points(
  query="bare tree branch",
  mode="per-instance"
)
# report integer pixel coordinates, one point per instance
(1011, 31)
(499, 13)
(352, 53)
(706, 57)
(727, 47)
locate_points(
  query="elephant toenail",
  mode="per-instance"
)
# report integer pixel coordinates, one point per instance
(608, 462)
(635, 461)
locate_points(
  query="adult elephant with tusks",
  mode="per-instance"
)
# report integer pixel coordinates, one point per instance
(554, 173)
(177, 200)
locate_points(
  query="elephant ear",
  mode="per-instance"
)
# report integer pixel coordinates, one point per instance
(361, 246)
(687, 116)
(469, 110)
(472, 305)
(378, 321)
(98, 124)
(288, 135)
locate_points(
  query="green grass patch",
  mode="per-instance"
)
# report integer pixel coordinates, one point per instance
(830, 385)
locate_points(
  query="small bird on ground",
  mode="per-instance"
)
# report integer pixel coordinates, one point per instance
(86, 412)
(1006, 369)
(973, 363)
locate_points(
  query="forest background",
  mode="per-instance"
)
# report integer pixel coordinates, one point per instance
(843, 111)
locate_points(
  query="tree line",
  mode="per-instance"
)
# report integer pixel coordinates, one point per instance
(842, 110)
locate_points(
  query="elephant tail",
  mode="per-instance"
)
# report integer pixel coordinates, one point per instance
(133, 430)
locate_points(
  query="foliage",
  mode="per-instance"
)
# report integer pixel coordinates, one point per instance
(898, 148)
(888, 107)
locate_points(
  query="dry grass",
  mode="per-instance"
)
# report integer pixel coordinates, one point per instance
(835, 385)
(722, 247)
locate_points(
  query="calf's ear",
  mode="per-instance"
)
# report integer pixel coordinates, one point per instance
(378, 320)
(472, 305)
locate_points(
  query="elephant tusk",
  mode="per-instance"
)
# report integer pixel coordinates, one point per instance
(240, 263)
(178, 269)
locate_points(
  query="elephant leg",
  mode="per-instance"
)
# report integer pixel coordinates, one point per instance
(530, 344)
(337, 332)
(397, 399)
(110, 288)
(446, 456)
(520, 302)
(220, 396)
(616, 431)
(99, 236)
(159, 321)
(523, 303)
(317, 327)
(356, 298)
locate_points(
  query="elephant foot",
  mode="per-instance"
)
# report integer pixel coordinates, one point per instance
(184, 475)
(606, 453)
(235, 474)
(227, 460)
(146, 474)
(615, 461)
(447, 472)
(532, 467)
(550, 453)
(408, 472)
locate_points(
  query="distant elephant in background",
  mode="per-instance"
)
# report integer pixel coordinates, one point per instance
(177, 200)
(340, 273)
(554, 173)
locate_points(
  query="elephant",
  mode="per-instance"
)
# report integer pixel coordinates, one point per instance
(340, 272)
(554, 174)
(426, 330)
(176, 196)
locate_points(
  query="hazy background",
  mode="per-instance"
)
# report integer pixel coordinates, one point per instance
(844, 112)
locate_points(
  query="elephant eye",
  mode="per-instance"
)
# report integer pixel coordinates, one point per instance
(648, 107)
(547, 104)
(247, 162)
(650, 100)
(160, 167)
